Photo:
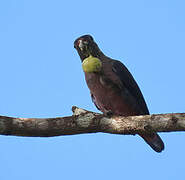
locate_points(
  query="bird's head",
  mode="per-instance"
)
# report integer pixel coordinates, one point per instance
(86, 46)
(89, 54)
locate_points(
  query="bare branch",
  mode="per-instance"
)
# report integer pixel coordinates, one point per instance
(83, 121)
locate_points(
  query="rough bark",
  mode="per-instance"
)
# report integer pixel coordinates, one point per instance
(83, 121)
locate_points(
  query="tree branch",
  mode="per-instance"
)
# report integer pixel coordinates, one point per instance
(83, 121)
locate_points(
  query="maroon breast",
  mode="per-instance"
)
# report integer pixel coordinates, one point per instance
(107, 97)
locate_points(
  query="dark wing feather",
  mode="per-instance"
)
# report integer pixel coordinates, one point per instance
(128, 82)
(94, 101)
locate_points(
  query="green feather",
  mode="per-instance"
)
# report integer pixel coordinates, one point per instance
(91, 64)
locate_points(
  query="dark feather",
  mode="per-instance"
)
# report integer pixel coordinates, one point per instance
(128, 82)
(94, 101)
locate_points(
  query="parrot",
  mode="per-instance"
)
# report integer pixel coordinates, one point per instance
(113, 89)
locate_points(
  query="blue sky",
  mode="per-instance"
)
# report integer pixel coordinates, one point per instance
(41, 76)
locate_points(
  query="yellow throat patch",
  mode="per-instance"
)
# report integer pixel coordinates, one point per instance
(91, 64)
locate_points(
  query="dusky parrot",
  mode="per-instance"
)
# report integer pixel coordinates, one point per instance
(112, 87)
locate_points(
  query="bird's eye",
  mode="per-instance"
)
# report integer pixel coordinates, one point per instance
(85, 42)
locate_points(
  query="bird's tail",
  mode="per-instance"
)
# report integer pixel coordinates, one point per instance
(154, 141)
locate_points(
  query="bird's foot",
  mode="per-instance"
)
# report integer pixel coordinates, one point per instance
(108, 114)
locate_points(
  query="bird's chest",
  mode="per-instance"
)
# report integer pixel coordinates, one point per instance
(97, 83)
(106, 96)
